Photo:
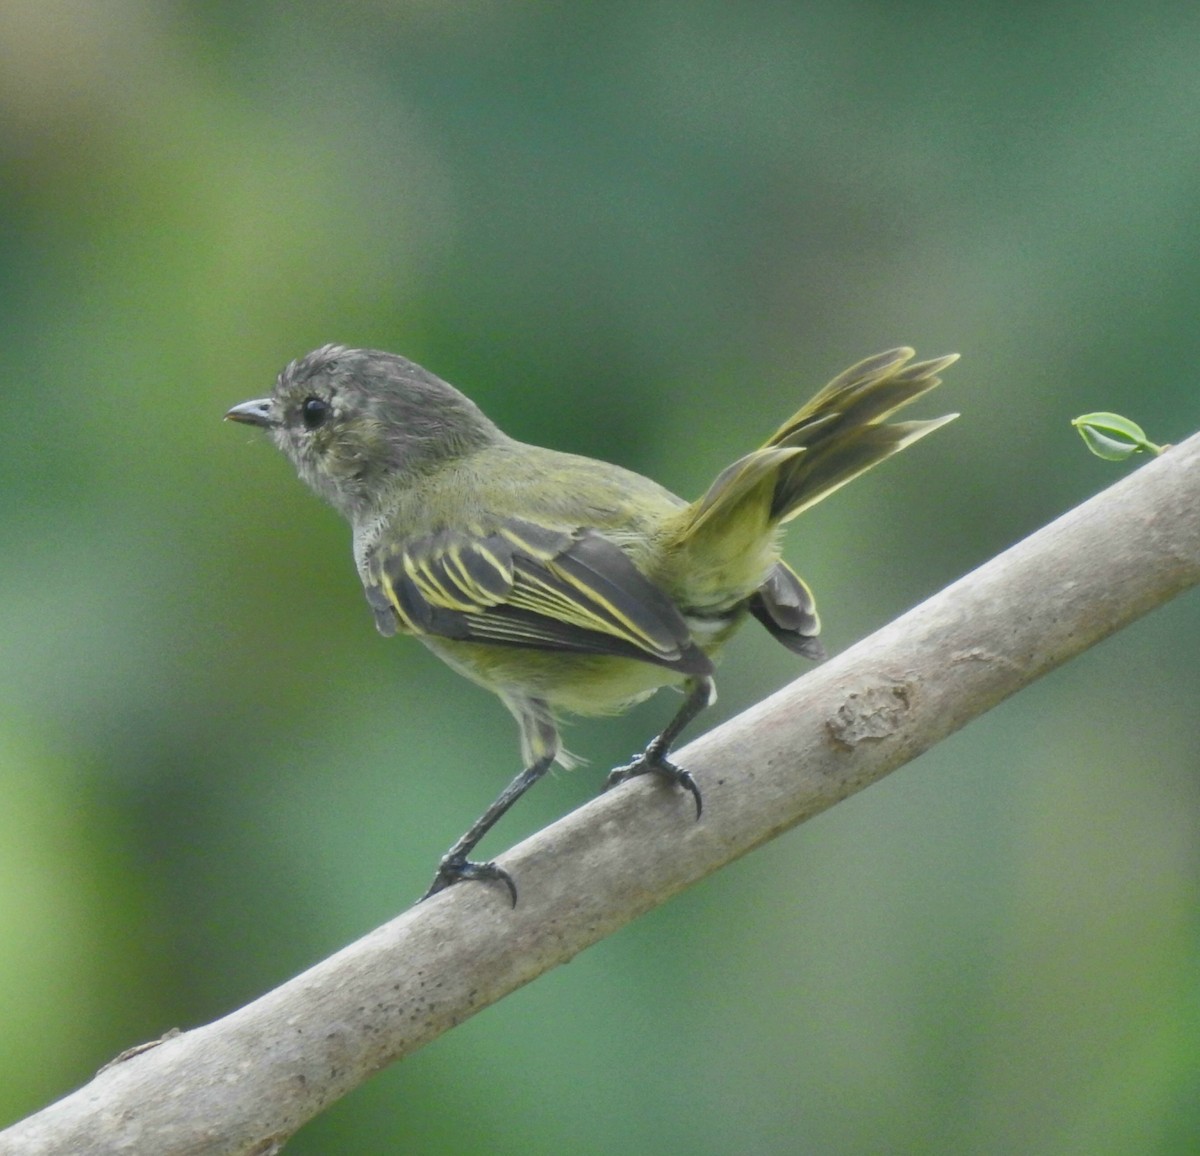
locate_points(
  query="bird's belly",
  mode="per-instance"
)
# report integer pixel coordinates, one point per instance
(583, 684)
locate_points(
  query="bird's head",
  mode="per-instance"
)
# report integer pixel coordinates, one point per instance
(359, 423)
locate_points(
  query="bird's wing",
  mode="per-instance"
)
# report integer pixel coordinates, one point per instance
(522, 584)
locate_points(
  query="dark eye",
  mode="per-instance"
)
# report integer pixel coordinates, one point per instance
(313, 412)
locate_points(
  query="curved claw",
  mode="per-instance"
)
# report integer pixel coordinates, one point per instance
(454, 869)
(650, 762)
(686, 781)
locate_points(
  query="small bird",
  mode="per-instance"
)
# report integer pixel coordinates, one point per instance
(562, 583)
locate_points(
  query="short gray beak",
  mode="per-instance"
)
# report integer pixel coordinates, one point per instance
(253, 413)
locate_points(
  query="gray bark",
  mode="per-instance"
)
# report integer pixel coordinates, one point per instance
(246, 1082)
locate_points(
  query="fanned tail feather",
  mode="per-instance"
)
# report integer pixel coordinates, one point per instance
(728, 536)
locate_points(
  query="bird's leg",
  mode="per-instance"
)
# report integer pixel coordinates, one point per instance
(539, 742)
(701, 692)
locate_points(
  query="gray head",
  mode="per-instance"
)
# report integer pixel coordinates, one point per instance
(357, 423)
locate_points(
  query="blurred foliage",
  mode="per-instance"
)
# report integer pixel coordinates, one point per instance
(644, 232)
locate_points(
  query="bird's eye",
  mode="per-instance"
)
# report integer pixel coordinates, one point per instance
(314, 412)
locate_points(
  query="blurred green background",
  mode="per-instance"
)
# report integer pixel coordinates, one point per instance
(642, 231)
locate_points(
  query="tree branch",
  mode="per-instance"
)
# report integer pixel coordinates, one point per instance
(245, 1083)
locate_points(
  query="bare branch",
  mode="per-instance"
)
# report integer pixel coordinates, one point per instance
(246, 1082)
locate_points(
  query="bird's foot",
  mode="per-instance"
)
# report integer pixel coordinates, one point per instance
(455, 868)
(653, 761)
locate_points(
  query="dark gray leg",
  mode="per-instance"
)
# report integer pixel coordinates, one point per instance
(653, 760)
(539, 739)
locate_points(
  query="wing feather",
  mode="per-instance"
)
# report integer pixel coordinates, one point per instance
(528, 585)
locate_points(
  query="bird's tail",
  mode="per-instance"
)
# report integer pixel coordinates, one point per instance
(838, 435)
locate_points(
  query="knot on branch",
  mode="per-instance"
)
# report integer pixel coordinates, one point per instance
(873, 711)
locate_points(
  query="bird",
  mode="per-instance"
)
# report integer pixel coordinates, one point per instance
(564, 584)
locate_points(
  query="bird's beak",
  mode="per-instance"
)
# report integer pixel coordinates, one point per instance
(253, 413)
